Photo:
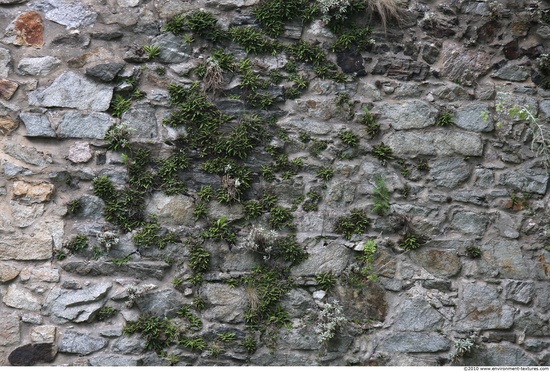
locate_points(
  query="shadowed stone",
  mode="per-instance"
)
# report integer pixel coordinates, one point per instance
(502, 354)
(365, 303)
(80, 343)
(512, 73)
(463, 65)
(31, 354)
(414, 342)
(105, 71)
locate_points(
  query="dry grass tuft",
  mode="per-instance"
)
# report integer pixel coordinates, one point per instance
(386, 10)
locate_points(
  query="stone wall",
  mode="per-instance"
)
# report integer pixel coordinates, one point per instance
(466, 181)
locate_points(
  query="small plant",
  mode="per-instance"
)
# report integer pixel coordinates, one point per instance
(77, 243)
(252, 41)
(106, 312)
(176, 282)
(473, 252)
(333, 9)
(220, 230)
(103, 188)
(137, 292)
(411, 241)
(205, 193)
(381, 197)
(120, 261)
(445, 118)
(312, 202)
(159, 333)
(118, 137)
(252, 209)
(227, 336)
(152, 235)
(152, 51)
(193, 343)
(423, 165)
(249, 344)
(517, 202)
(74, 206)
(194, 321)
(200, 210)
(349, 138)
(382, 152)
(281, 217)
(356, 222)
(461, 347)
(199, 303)
(60, 255)
(199, 258)
(304, 137)
(325, 281)
(172, 359)
(331, 317)
(204, 24)
(325, 173)
(372, 127)
(119, 105)
(317, 147)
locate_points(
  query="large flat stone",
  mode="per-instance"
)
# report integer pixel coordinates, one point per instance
(29, 155)
(227, 303)
(72, 90)
(418, 315)
(141, 121)
(64, 305)
(470, 117)
(414, 342)
(467, 222)
(450, 172)
(480, 307)
(507, 258)
(441, 263)
(161, 303)
(37, 125)
(415, 114)
(81, 125)
(463, 66)
(37, 243)
(330, 258)
(19, 297)
(69, 14)
(435, 143)
(527, 180)
(73, 342)
(10, 330)
(38, 66)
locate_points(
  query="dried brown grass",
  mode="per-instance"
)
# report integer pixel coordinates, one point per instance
(386, 10)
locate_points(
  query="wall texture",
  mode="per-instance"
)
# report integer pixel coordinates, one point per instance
(461, 254)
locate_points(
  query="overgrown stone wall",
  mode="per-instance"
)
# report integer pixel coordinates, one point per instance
(394, 189)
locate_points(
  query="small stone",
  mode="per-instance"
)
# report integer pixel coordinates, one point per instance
(544, 31)
(177, 209)
(38, 66)
(7, 89)
(29, 155)
(72, 40)
(80, 152)
(114, 361)
(8, 272)
(34, 193)
(31, 354)
(173, 49)
(129, 345)
(29, 30)
(466, 222)
(40, 274)
(105, 71)
(438, 262)
(535, 345)
(43, 334)
(19, 297)
(521, 292)
(450, 172)
(142, 121)
(5, 60)
(351, 63)
(225, 303)
(37, 125)
(80, 343)
(7, 125)
(32, 318)
(108, 36)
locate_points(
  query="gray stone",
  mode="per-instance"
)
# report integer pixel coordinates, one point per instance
(38, 66)
(105, 71)
(69, 14)
(43, 334)
(129, 345)
(333, 257)
(24, 215)
(226, 303)
(73, 91)
(29, 155)
(535, 345)
(5, 59)
(91, 207)
(79, 125)
(141, 121)
(467, 222)
(6, 2)
(37, 125)
(73, 342)
(506, 257)
(414, 114)
(527, 180)
(470, 118)
(507, 227)
(544, 31)
(503, 354)
(532, 324)
(78, 306)
(512, 73)
(544, 107)
(40, 274)
(450, 172)
(302, 338)
(31, 354)
(521, 292)
(414, 342)
(363, 304)
(19, 297)
(298, 302)
(438, 143)
(161, 303)
(173, 49)
(173, 210)
(480, 307)
(114, 361)
(417, 315)
(12, 170)
(10, 330)
(71, 40)
(32, 318)
(441, 263)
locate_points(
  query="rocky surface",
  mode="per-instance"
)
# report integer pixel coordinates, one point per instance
(462, 249)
